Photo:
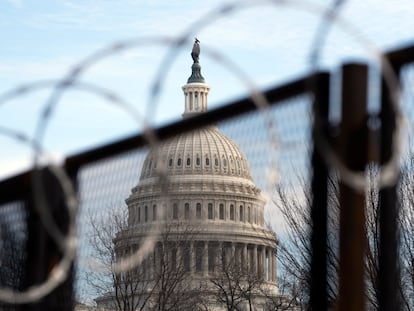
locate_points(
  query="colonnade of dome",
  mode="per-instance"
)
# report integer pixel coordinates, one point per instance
(205, 259)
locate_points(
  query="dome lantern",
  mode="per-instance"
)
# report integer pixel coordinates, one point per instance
(196, 90)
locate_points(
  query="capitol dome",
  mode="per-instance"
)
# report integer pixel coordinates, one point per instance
(204, 177)
(199, 180)
(204, 151)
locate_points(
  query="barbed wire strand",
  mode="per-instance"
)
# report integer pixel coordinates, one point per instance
(67, 82)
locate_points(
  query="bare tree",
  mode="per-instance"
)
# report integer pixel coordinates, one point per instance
(238, 287)
(406, 221)
(294, 248)
(174, 288)
(161, 282)
(120, 290)
(231, 283)
(288, 298)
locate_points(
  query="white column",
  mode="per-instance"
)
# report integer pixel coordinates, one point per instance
(179, 262)
(254, 266)
(146, 272)
(267, 264)
(192, 257)
(245, 258)
(157, 259)
(274, 267)
(204, 259)
(263, 270)
(151, 264)
(270, 255)
(219, 257)
(193, 99)
(271, 265)
(238, 253)
(228, 251)
(205, 100)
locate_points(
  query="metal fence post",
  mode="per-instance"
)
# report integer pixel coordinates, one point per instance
(389, 272)
(42, 251)
(318, 289)
(352, 148)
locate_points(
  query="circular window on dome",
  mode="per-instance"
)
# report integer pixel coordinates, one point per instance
(179, 162)
(198, 161)
(207, 162)
(170, 162)
(188, 161)
(216, 163)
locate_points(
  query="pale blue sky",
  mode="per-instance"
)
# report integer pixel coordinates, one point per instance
(271, 43)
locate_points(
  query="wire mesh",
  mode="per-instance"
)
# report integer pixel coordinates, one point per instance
(103, 189)
(278, 153)
(13, 238)
(407, 78)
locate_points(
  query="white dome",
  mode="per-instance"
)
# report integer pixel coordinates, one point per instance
(203, 151)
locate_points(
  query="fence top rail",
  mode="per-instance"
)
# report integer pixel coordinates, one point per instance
(401, 56)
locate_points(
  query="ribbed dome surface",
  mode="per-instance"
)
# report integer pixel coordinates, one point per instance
(203, 151)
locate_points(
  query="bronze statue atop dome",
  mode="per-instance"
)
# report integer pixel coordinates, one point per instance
(195, 53)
